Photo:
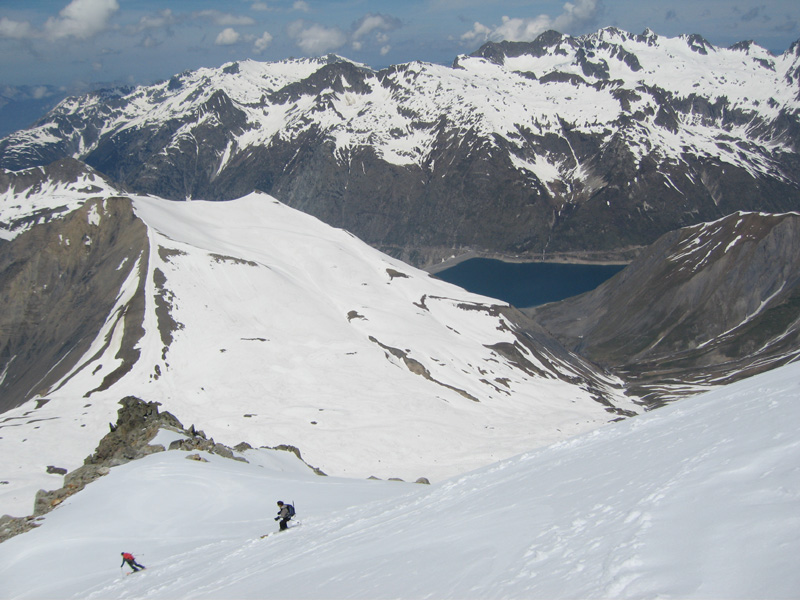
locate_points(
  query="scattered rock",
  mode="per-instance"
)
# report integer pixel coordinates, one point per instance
(222, 450)
(196, 457)
(56, 470)
(394, 273)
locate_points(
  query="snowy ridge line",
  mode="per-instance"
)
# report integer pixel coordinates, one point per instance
(564, 128)
(382, 104)
(703, 234)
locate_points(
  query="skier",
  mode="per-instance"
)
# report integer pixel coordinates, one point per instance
(285, 513)
(127, 557)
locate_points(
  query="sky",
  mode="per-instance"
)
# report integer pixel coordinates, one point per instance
(78, 42)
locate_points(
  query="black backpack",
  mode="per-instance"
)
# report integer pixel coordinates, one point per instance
(290, 508)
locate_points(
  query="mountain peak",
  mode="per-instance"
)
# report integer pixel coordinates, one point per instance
(567, 131)
(697, 43)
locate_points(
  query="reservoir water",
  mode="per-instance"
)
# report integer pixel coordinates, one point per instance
(527, 284)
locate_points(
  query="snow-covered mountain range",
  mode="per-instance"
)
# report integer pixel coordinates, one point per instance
(696, 500)
(265, 325)
(595, 143)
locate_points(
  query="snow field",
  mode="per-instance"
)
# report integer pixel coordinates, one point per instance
(699, 499)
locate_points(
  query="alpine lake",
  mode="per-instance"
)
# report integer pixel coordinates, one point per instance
(526, 284)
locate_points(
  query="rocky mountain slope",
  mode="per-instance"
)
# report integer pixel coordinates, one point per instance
(703, 305)
(40, 194)
(598, 143)
(61, 286)
(268, 326)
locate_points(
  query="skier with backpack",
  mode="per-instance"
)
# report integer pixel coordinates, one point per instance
(127, 557)
(285, 513)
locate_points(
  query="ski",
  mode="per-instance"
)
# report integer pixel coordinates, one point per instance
(292, 526)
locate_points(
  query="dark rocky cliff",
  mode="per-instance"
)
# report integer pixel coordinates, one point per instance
(60, 283)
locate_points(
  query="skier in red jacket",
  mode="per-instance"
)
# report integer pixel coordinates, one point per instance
(127, 557)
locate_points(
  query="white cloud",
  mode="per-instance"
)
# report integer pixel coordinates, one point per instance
(164, 18)
(150, 42)
(302, 6)
(522, 30)
(262, 6)
(370, 23)
(316, 39)
(574, 16)
(479, 32)
(81, 19)
(15, 29)
(227, 37)
(262, 43)
(577, 14)
(385, 50)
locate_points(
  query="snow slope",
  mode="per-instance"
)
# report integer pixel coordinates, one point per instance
(700, 499)
(262, 324)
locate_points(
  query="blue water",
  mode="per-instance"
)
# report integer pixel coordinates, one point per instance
(527, 284)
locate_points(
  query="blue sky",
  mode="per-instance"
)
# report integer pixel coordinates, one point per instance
(64, 42)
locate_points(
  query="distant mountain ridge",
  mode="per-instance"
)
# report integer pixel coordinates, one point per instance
(597, 143)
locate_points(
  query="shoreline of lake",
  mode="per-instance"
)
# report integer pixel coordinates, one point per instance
(567, 258)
